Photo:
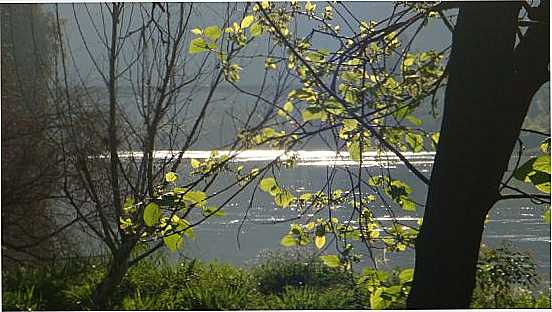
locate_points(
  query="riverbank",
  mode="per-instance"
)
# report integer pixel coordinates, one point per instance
(291, 280)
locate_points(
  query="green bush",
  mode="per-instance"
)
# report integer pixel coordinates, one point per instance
(44, 288)
(309, 298)
(189, 286)
(296, 268)
(291, 280)
(505, 278)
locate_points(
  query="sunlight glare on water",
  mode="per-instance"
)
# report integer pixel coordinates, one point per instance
(303, 157)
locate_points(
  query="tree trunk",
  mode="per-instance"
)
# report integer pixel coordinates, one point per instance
(117, 270)
(486, 102)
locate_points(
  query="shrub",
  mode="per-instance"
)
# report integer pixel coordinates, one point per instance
(59, 286)
(505, 278)
(308, 298)
(189, 286)
(296, 268)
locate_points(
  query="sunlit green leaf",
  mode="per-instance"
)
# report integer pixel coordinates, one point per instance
(415, 141)
(247, 21)
(406, 275)
(409, 60)
(267, 184)
(435, 139)
(414, 120)
(407, 205)
(353, 147)
(545, 146)
(198, 45)
(537, 172)
(173, 242)
(213, 211)
(547, 216)
(283, 199)
(288, 241)
(309, 7)
(256, 30)
(152, 213)
(171, 177)
(196, 197)
(213, 32)
(350, 124)
(309, 114)
(195, 163)
(542, 163)
(331, 260)
(320, 241)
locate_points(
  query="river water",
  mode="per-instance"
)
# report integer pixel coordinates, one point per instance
(251, 226)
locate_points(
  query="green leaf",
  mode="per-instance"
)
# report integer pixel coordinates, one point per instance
(197, 45)
(209, 210)
(180, 190)
(542, 163)
(408, 205)
(305, 197)
(537, 172)
(152, 213)
(256, 30)
(309, 7)
(173, 242)
(350, 124)
(435, 139)
(196, 31)
(195, 163)
(283, 199)
(247, 21)
(309, 114)
(288, 107)
(171, 177)
(376, 301)
(415, 140)
(265, 4)
(406, 275)
(331, 260)
(129, 201)
(522, 172)
(547, 216)
(320, 241)
(545, 146)
(213, 32)
(353, 148)
(541, 181)
(408, 60)
(196, 197)
(414, 120)
(288, 241)
(267, 184)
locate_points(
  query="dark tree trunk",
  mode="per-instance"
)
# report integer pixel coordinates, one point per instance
(488, 94)
(117, 269)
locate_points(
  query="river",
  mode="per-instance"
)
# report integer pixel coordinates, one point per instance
(237, 239)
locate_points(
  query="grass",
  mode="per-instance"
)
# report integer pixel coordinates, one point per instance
(290, 280)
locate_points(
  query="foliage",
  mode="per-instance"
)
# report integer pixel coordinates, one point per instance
(386, 289)
(536, 171)
(189, 286)
(292, 279)
(334, 90)
(295, 268)
(62, 286)
(308, 298)
(503, 276)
